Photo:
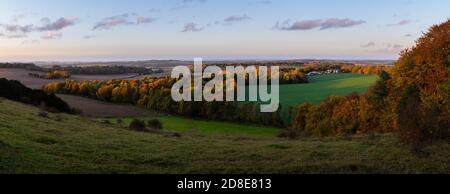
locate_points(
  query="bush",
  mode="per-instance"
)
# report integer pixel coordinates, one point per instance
(119, 122)
(155, 124)
(137, 125)
(43, 114)
(290, 134)
(106, 122)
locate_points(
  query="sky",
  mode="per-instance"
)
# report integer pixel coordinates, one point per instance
(105, 30)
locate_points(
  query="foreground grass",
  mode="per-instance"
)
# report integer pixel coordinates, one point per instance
(323, 86)
(205, 127)
(69, 144)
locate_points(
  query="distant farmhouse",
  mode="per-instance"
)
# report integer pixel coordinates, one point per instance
(327, 72)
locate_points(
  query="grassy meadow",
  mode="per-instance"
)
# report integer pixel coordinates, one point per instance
(204, 127)
(320, 87)
(32, 142)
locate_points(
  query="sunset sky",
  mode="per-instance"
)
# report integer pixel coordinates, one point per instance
(72, 30)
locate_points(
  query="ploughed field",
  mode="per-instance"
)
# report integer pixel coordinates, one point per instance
(33, 142)
(37, 83)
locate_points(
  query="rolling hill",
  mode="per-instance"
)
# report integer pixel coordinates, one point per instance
(35, 142)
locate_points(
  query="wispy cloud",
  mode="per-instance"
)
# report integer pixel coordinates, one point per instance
(260, 2)
(13, 36)
(59, 24)
(89, 37)
(317, 23)
(144, 20)
(400, 23)
(385, 48)
(236, 18)
(232, 19)
(194, 1)
(395, 46)
(185, 3)
(370, 44)
(111, 22)
(340, 23)
(298, 25)
(265, 2)
(120, 20)
(52, 36)
(21, 31)
(17, 29)
(31, 42)
(191, 27)
(154, 10)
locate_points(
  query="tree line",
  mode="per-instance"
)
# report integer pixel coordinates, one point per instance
(14, 90)
(106, 70)
(27, 66)
(52, 75)
(155, 94)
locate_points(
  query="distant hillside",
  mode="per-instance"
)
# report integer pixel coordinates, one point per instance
(98, 69)
(28, 66)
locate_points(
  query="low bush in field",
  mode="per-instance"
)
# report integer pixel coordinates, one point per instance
(138, 125)
(155, 124)
(119, 122)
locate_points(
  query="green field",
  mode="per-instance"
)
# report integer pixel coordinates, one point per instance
(60, 143)
(320, 87)
(204, 127)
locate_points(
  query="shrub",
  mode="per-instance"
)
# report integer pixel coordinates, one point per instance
(137, 125)
(106, 122)
(43, 114)
(155, 124)
(119, 122)
(290, 134)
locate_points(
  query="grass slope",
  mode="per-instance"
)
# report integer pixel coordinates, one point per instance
(205, 127)
(320, 87)
(69, 144)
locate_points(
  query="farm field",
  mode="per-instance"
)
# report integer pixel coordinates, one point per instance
(320, 87)
(36, 83)
(60, 143)
(112, 112)
(96, 108)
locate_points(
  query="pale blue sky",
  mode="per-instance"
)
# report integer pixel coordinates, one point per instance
(213, 29)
